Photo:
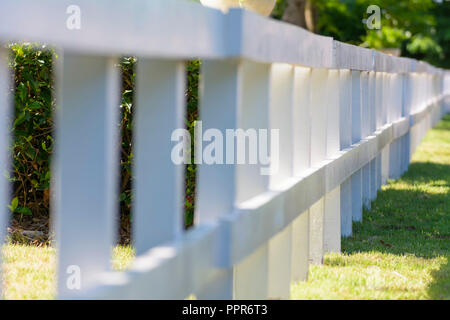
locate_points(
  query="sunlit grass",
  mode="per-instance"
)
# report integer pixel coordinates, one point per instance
(402, 248)
(28, 271)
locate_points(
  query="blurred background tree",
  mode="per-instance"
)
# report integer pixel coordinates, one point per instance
(416, 28)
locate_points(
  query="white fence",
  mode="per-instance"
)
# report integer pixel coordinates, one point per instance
(349, 119)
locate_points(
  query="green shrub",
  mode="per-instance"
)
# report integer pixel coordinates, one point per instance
(33, 132)
(32, 128)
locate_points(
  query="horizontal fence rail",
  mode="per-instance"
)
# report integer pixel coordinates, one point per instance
(348, 119)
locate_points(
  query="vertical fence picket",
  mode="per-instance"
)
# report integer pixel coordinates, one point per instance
(86, 169)
(345, 137)
(280, 118)
(159, 111)
(356, 137)
(5, 117)
(302, 158)
(220, 90)
(405, 113)
(373, 127)
(251, 274)
(384, 117)
(365, 131)
(319, 83)
(332, 213)
(379, 122)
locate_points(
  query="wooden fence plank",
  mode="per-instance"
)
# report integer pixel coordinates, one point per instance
(216, 184)
(356, 137)
(332, 206)
(251, 274)
(345, 135)
(281, 118)
(86, 169)
(5, 118)
(158, 215)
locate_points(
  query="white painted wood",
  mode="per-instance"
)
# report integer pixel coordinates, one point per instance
(158, 215)
(346, 208)
(332, 222)
(300, 248)
(281, 119)
(372, 102)
(345, 133)
(379, 170)
(219, 105)
(301, 162)
(385, 165)
(5, 119)
(253, 114)
(345, 108)
(319, 87)
(302, 120)
(386, 98)
(356, 179)
(251, 275)
(365, 131)
(373, 179)
(279, 285)
(373, 127)
(86, 168)
(333, 144)
(316, 217)
(379, 99)
(332, 209)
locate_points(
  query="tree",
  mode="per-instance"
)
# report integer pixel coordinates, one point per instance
(302, 13)
(419, 28)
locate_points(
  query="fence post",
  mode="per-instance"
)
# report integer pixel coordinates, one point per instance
(356, 137)
(281, 112)
(345, 137)
(5, 119)
(251, 274)
(384, 117)
(302, 158)
(332, 213)
(379, 122)
(159, 111)
(319, 83)
(365, 132)
(86, 168)
(220, 90)
(373, 128)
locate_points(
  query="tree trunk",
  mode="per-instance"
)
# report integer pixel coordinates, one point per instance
(301, 13)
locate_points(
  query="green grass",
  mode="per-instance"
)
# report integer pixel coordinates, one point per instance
(400, 251)
(29, 270)
(402, 248)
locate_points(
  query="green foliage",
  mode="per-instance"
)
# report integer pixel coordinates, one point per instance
(32, 127)
(278, 11)
(193, 75)
(33, 131)
(419, 28)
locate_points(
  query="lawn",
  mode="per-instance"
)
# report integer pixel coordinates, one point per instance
(400, 251)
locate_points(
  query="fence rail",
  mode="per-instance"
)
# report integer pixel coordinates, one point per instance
(349, 118)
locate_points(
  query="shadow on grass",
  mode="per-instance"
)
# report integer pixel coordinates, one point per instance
(411, 216)
(439, 289)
